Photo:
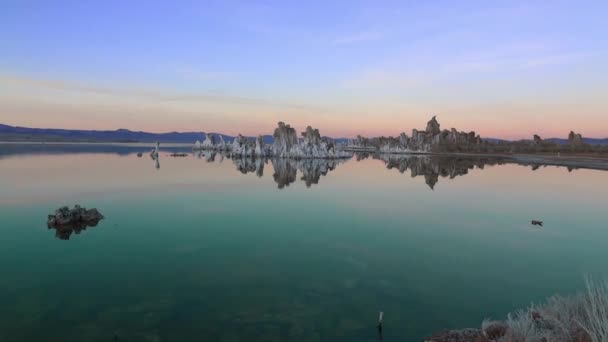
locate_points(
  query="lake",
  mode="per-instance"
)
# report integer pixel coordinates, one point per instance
(205, 248)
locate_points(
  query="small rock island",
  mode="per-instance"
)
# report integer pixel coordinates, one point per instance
(66, 220)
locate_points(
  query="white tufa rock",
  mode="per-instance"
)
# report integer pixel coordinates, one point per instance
(154, 153)
(286, 145)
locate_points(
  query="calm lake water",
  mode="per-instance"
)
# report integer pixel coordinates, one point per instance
(201, 248)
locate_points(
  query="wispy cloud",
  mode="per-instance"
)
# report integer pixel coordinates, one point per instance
(358, 38)
(422, 74)
(498, 63)
(194, 73)
(153, 94)
(382, 78)
(557, 59)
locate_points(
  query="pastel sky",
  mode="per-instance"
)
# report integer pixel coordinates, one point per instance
(505, 69)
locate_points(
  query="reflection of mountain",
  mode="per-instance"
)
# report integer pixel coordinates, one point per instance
(431, 167)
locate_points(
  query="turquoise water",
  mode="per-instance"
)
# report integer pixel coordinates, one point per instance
(198, 250)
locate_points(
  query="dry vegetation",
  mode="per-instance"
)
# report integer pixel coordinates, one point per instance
(582, 317)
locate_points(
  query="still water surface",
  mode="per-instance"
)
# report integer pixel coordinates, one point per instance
(210, 249)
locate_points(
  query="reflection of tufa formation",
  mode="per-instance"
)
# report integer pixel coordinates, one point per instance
(286, 169)
(66, 220)
(432, 167)
(286, 145)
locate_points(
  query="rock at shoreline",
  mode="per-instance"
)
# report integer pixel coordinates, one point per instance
(494, 330)
(465, 335)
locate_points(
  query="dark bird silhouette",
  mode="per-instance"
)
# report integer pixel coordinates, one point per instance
(537, 223)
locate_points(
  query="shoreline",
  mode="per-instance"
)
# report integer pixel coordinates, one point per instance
(592, 161)
(579, 317)
(573, 161)
(96, 143)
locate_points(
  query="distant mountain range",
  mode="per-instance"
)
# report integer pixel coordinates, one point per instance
(590, 141)
(11, 133)
(26, 134)
(560, 141)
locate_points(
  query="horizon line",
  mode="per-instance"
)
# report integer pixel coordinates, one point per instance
(265, 134)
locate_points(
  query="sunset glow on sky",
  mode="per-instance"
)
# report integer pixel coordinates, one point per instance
(506, 69)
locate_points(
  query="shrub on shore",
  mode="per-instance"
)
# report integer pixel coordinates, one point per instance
(582, 317)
